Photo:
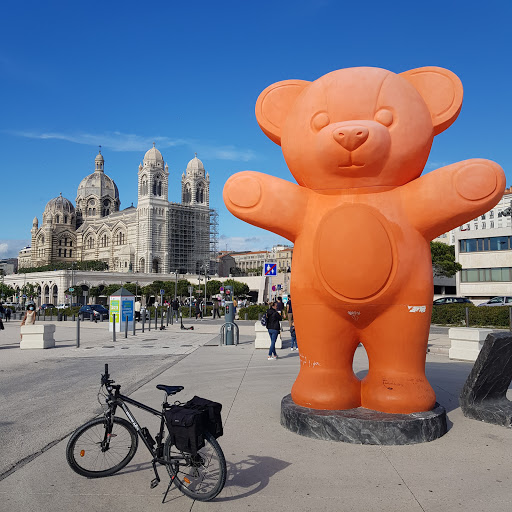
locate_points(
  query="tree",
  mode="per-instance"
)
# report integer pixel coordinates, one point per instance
(183, 285)
(443, 259)
(213, 287)
(6, 291)
(238, 287)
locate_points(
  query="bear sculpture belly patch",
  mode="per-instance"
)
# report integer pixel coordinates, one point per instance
(352, 266)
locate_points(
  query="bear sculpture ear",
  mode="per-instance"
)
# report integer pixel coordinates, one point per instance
(273, 106)
(442, 92)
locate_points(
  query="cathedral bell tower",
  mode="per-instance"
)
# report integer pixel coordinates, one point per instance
(152, 254)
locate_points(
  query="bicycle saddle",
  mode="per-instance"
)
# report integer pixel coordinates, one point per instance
(170, 390)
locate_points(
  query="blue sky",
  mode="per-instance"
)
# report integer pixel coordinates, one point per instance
(78, 74)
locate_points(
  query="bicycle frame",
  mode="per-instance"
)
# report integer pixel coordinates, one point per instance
(118, 400)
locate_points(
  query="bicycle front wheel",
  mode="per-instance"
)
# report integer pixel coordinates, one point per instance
(201, 476)
(89, 455)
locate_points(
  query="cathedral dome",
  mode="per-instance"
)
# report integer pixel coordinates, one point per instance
(59, 205)
(195, 167)
(97, 184)
(153, 155)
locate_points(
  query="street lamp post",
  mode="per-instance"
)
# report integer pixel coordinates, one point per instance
(176, 285)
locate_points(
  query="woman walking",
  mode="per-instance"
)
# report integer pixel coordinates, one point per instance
(273, 325)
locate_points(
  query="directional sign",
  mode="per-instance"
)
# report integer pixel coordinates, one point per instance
(162, 292)
(270, 269)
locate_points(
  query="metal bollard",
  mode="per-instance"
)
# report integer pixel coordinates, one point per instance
(162, 320)
(101, 317)
(114, 329)
(167, 313)
(149, 320)
(143, 320)
(156, 319)
(126, 326)
(78, 332)
(510, 318)
(467, 317)
(133, 323)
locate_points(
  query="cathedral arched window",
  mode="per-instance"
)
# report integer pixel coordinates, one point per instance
(200, 194)
(57, 219)
(187, 196)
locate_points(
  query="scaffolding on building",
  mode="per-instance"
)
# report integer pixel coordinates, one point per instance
(193, 233)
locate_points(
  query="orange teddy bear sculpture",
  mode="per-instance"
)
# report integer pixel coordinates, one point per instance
(361, 218)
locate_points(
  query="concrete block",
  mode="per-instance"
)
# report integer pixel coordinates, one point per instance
(37, 336)
(263, 339)
(466, 342)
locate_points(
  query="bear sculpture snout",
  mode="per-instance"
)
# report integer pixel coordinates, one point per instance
(351, 137)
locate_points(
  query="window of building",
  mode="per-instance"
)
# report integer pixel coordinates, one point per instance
(492, 223)
(493, 243)
(483, 225)
(483, 217)
(497, 274)
(491, 214)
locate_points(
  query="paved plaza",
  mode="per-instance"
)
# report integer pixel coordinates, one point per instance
(46, 394)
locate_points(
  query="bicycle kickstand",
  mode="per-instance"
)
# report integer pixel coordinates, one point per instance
(171, 480)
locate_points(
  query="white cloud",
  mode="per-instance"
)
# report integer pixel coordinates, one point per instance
(11, 248)
(118, 141)
(253, 243)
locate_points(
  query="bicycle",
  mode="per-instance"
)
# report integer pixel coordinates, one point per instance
(105, 445)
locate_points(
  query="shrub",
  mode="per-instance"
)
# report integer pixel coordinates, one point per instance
(252, 311)
(455, 314)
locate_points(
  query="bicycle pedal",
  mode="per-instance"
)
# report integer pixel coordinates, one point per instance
(154, 483)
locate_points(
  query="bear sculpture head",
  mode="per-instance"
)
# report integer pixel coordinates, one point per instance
(359, 127)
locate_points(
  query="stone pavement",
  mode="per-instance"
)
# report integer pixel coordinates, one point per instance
(269, 468)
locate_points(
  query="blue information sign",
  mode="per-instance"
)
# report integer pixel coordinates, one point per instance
(127, 310)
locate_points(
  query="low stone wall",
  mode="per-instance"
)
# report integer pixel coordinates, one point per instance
(37, 336)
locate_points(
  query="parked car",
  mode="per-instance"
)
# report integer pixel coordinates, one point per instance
(498, 301)
(46, 306)
(144, 311)
(96, 310)
(62, 306)
(452, 300)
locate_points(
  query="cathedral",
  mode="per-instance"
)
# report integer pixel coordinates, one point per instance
(156, 236)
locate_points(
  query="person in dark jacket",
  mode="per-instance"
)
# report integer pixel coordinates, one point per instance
(273, 327)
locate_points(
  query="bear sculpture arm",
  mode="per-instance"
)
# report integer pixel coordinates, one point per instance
(453, 195)
(267, 202)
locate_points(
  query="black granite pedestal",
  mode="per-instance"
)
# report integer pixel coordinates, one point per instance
(483, 396)
(364, 426)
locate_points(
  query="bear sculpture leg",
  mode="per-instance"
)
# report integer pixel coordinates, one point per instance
(327, 343)
(396, 344)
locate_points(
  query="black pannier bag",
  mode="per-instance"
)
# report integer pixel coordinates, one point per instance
(186, 428)
(212, 414)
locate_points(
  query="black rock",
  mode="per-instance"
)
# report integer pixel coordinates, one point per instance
(364, 426)
(483, 396)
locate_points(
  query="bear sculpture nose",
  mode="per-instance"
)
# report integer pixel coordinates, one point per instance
(350, 137)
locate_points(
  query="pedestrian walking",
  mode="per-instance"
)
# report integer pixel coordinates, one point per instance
(137, 310)
(199, 312)
(175, 308)
(294, 345)
(8, 314)
(216, 307)
(274, 328)
(280, 306)
(289, 310)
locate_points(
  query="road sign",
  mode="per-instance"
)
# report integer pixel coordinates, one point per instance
(270, 269)
(162, 292)
(71, 289)
(279, 287)
(190, 289)
(274, 288)
(221, 289)
(24, 296)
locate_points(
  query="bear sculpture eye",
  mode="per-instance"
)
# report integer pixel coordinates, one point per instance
(384, 116)
(319, 121)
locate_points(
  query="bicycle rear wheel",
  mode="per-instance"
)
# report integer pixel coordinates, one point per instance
(200, 477)
(88, 455)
